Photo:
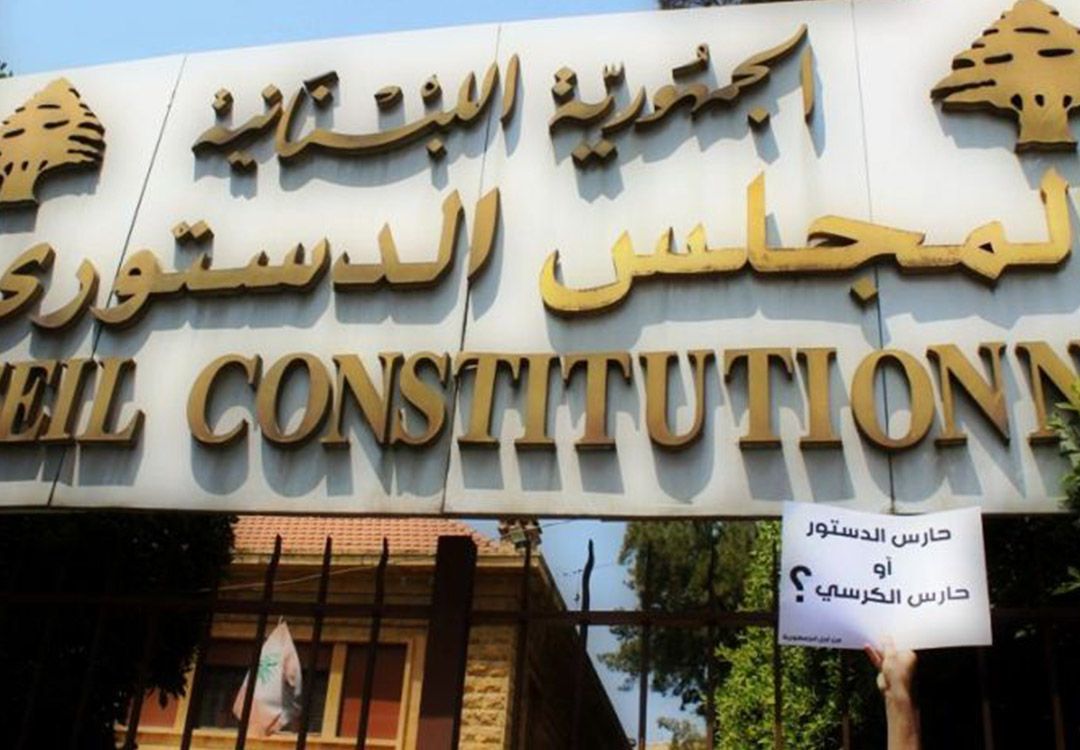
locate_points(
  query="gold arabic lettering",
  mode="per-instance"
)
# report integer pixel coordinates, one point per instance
(835, 245)
(282, 119)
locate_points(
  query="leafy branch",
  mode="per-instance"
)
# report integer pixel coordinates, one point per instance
(1066, 423)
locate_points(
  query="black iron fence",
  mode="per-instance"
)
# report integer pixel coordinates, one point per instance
(448, 618)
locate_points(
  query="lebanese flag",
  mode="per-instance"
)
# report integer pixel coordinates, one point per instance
(277, 685)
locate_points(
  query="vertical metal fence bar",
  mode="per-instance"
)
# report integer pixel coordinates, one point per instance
(12, 578)
(446, 652)
(312, 665)
(583, 654)
(11, 585)
(29, 708)
(256, 651)
(646, 644)
(1052, 680)
(711, 666)
(93, 655)
(14, 575)
(198, 679)
(845, 700)
(984, 698)
(52, 615)
(372, 647)
(517, 731)
(778, 687)
(142, 673)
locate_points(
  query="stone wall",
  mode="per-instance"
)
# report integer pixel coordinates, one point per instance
(486, 705)
(552, 663)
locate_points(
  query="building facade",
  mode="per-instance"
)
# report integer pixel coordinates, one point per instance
(487, 716)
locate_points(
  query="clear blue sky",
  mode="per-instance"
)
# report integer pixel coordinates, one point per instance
(41, 35)
(44, 35)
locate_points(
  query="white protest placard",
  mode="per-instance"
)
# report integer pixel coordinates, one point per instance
(849, 579)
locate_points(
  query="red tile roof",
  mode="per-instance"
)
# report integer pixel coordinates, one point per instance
(305, 535)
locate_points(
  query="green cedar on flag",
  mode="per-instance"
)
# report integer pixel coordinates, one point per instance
(277, 685)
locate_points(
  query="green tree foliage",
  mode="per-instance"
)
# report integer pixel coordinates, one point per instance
(1027, 558)
(1066, 423)
(678, 576)
(810, 677)
(89, 553)
(679, 555)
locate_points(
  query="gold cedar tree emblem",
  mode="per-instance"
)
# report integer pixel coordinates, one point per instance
(54, 130)
(1027, 66)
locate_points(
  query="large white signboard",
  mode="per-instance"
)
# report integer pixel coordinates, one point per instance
(659, 264)
(849, 579)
